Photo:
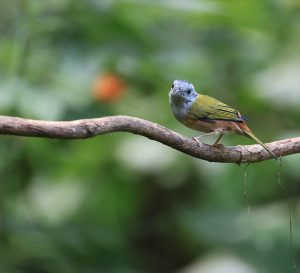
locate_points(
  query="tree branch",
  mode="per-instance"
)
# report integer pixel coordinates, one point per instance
(87, 128)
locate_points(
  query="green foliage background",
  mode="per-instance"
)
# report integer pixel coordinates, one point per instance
(120, 202)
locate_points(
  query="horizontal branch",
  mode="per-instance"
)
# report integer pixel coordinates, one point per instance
(87, 128)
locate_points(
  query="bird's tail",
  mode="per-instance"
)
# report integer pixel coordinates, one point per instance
(248, 132)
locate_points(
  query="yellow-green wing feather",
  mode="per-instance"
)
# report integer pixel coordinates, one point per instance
(208, 108)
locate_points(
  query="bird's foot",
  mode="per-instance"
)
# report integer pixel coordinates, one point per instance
(197, 140)
(218, 145)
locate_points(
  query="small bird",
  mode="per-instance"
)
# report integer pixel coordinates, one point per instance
(206, 114)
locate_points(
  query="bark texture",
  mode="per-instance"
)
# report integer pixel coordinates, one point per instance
(87, 128)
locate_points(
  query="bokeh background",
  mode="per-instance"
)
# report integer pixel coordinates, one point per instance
(121, 202)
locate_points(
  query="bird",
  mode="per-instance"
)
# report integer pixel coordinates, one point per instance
(206, 114)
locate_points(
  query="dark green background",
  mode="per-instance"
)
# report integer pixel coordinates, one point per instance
(121, 202)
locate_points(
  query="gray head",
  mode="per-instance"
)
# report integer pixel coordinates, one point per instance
(182, 92)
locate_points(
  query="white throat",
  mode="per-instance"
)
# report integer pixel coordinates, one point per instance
(181, 106)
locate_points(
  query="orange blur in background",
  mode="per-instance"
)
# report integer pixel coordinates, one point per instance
(108, 87)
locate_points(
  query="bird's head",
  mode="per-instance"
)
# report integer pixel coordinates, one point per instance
(182, 92)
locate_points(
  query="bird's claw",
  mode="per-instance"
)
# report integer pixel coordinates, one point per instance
(218, 145)
(197, 140)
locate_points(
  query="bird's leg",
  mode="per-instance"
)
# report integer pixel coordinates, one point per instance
(218, 139)
(208, 134)
(217, 144)
(198, 137)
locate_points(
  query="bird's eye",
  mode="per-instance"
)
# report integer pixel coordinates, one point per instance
(189, 91)
(172, 85)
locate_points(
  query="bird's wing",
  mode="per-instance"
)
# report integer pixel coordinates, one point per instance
(209, 109)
